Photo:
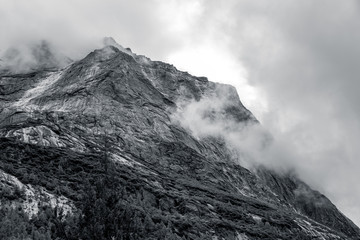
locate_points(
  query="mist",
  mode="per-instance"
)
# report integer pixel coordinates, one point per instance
(28, 57)
(252, 144)
(299, 61)
(77, 28)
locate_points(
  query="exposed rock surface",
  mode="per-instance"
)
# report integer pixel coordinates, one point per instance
(33, 198)
(128, 100)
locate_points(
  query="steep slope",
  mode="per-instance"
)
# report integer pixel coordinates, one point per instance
(108, 119)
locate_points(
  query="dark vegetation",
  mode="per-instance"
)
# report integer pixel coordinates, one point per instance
(115, 201)
(108, 207)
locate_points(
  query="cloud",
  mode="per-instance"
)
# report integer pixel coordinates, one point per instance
(213, 116)
(77, 27)
(309, 77)
(302, 57)
(298, 65)
(218, 114)
(32, 56)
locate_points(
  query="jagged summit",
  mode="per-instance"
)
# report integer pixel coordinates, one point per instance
(102, 138)
(109, 41)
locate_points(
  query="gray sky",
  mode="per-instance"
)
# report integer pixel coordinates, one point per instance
(294, 63)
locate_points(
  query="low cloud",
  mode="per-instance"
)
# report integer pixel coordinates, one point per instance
(302, 57)
(78, 27)
(218, 114)
(31, 56)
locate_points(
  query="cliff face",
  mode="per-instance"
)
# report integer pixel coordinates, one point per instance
(111, 114)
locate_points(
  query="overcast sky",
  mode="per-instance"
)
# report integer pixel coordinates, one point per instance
(295, 64)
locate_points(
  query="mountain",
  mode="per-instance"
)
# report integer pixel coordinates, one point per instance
(92, 151)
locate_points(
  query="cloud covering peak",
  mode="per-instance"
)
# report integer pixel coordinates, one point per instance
(32, 56)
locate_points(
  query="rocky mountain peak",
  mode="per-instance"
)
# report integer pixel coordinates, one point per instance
(109, 41)
(105, 53)
(104, 135)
